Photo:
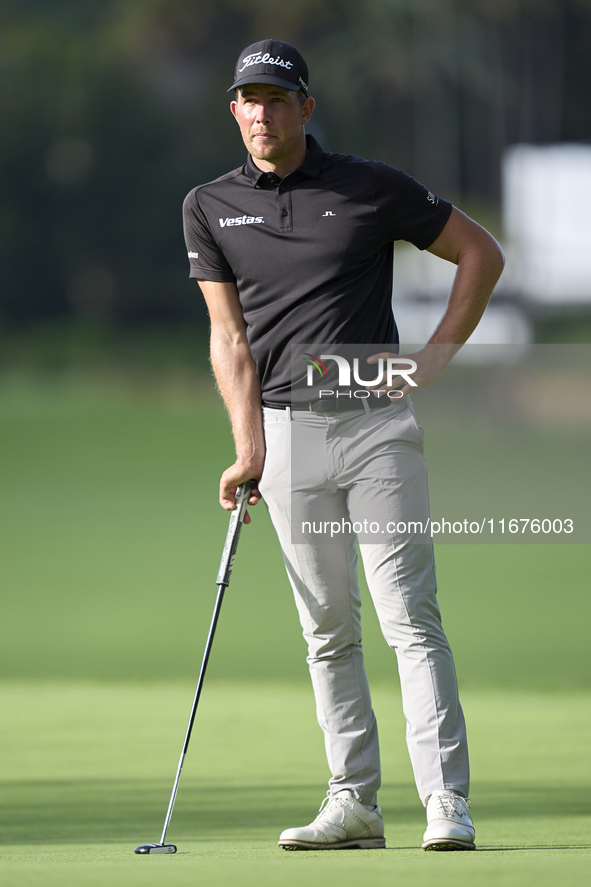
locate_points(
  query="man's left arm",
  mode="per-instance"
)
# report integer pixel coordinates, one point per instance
(479, 261)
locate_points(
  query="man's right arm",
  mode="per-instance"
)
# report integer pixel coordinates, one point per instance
(239, 385)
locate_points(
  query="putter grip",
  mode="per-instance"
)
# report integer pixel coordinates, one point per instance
(236, 520)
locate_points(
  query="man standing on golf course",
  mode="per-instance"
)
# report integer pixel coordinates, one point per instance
(296, 247)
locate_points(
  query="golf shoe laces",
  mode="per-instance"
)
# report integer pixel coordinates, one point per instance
(449, 805)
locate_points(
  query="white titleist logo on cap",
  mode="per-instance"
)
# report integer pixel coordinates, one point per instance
(257, 59)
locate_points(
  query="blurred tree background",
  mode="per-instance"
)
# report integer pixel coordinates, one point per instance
(111, 112)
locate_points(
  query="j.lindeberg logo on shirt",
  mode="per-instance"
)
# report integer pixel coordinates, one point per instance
(242, 220)
(256, 58)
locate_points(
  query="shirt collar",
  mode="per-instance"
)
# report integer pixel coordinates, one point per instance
(310, 167)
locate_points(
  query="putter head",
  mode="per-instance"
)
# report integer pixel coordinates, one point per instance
(156, 848)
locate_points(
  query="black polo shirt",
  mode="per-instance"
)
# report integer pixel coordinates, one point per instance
(312, 254)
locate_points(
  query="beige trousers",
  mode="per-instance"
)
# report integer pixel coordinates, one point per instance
(365, 472)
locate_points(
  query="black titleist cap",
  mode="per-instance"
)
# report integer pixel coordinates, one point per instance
(274, 62)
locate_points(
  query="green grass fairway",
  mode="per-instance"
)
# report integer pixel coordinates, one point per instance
(87, 770)
(111, 538)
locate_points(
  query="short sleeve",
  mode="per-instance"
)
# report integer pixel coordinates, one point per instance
(206, 260)
(406, 209)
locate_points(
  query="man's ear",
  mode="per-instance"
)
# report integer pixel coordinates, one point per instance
(308, 109)
(233, 106)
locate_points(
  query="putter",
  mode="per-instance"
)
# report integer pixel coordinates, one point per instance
(236, 520)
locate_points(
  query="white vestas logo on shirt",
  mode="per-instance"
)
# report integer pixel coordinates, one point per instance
(242, 220)
(256, 58)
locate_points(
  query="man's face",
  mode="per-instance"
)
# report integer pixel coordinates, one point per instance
(271, 120)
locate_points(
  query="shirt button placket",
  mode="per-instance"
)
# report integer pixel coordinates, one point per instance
(285, 217)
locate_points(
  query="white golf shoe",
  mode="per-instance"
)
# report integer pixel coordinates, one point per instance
(449, 824)
(342, 824)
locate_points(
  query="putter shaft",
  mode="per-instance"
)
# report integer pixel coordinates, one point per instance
(208, 646)
(223, 580)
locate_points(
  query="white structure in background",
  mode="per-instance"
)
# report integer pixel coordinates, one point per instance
(547, 241)
(547, 222)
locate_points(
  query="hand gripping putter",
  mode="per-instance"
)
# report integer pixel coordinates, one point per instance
(236, 520)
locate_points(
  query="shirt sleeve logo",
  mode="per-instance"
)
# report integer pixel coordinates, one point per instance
(432, 199)
(193, 255)
(242, 220)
